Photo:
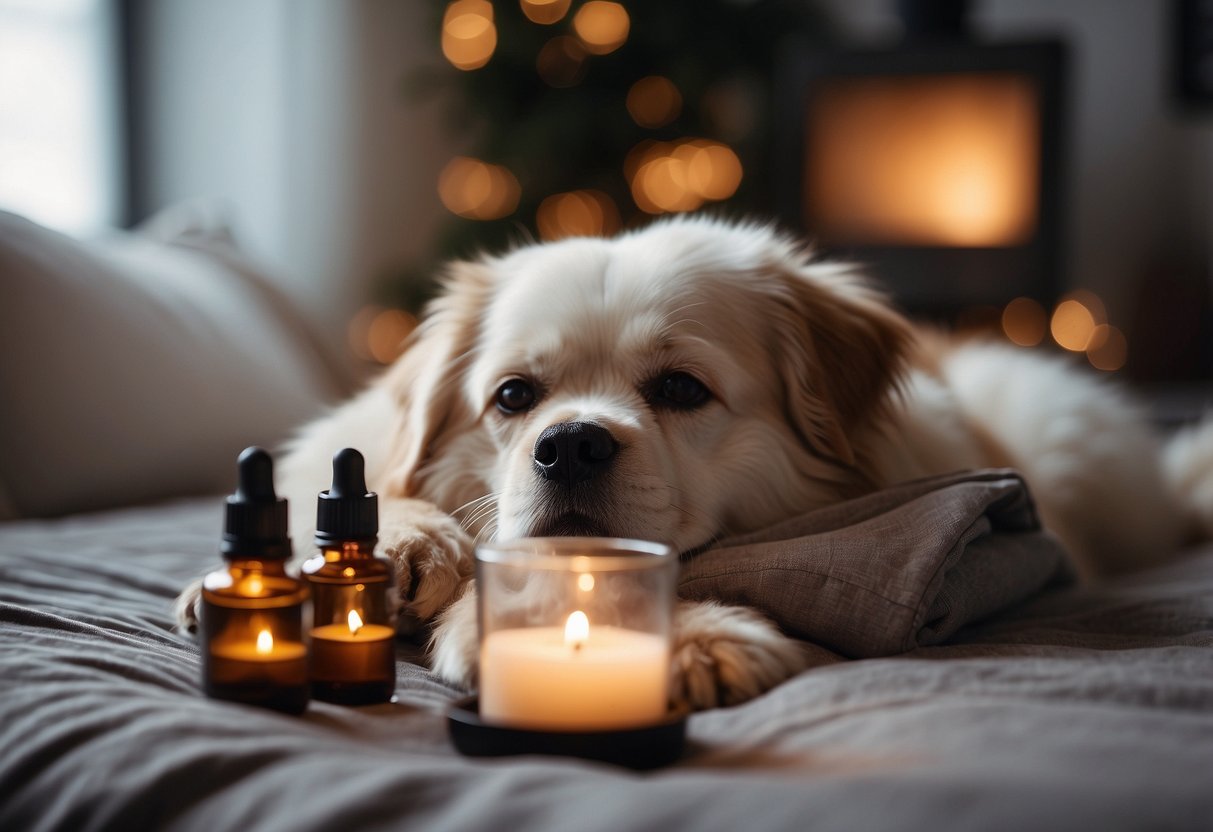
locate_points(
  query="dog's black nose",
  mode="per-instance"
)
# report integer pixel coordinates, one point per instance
(572, 452)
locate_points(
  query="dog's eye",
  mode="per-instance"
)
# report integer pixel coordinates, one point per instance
(681, 390)
(515, 396)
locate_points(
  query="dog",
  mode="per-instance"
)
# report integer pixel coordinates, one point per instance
(700, 378)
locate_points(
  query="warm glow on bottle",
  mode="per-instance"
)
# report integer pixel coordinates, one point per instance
(577, 630)
(265, 642)
(585, 582)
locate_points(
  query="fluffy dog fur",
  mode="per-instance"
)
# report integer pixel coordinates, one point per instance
(816, 391)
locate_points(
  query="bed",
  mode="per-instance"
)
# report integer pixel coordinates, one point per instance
(1075, 707)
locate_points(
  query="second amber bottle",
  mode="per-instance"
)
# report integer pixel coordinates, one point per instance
(353, 656)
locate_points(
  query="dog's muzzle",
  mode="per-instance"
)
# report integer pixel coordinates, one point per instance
(571, 452)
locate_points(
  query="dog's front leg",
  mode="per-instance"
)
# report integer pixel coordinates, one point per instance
(431, 553)
(725, 655)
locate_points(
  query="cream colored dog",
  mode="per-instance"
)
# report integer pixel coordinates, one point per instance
(698, 379)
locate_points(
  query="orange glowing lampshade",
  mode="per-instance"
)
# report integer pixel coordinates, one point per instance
(928, 161)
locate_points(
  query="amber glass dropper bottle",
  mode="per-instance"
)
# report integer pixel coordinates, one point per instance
(252, 610)
(352, 637)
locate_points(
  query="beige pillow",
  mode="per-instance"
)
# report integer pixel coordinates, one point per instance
(133, 370)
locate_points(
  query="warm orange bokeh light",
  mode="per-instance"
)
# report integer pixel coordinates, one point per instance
(602, 26)
(586, 213)
(544, 12)
(943, 160)
(1024, 321)
(468, 33)
(680, 176)
(561, 62)
(654, 101)
(384, 333)
(477, 190)
(1072, 325)
(1108, 348)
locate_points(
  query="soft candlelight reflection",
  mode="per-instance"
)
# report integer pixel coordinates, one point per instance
(265, 642)
(355, 622)
(577, 630)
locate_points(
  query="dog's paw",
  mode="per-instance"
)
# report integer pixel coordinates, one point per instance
(185, 608)
(454, 646)
(430, 551)
(726, 655)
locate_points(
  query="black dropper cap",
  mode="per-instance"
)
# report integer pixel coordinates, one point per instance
(255, 520)
(347, 511)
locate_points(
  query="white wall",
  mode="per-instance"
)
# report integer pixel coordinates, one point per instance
(1140, 176)
(292, 113)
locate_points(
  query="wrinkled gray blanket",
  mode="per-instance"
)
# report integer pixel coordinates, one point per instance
(1085, 708)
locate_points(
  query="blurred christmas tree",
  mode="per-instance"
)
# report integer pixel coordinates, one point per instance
(583, 117)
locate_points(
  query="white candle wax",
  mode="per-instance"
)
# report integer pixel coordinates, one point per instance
(535, 678)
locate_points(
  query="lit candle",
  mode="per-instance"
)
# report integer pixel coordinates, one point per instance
(260, 660)
(353, 653)
(575, 678)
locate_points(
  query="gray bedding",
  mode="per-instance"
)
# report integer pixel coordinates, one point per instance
(1086, 708)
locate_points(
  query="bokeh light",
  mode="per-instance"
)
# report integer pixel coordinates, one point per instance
(602, 26)
(469, 35)
(561, 62)
(378, 334)
(586, 213)
(1108, 348)
(1024, 321)
(668, 177)
(545, 12)
(654, 101)
(477, 190)
(1072, 325)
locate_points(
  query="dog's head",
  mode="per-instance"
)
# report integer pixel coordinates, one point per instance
(689, 380)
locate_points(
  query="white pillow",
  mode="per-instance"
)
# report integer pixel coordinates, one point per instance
(132, 370)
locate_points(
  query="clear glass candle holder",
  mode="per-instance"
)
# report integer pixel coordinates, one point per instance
(575, 632)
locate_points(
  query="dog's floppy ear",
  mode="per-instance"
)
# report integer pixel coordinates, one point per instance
(842, 352)
(425, 381)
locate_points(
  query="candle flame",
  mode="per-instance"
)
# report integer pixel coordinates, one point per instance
(265, 642)
(355, 622)
(577, 629)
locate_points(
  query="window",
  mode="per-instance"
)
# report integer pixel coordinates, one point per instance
(59, 113)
